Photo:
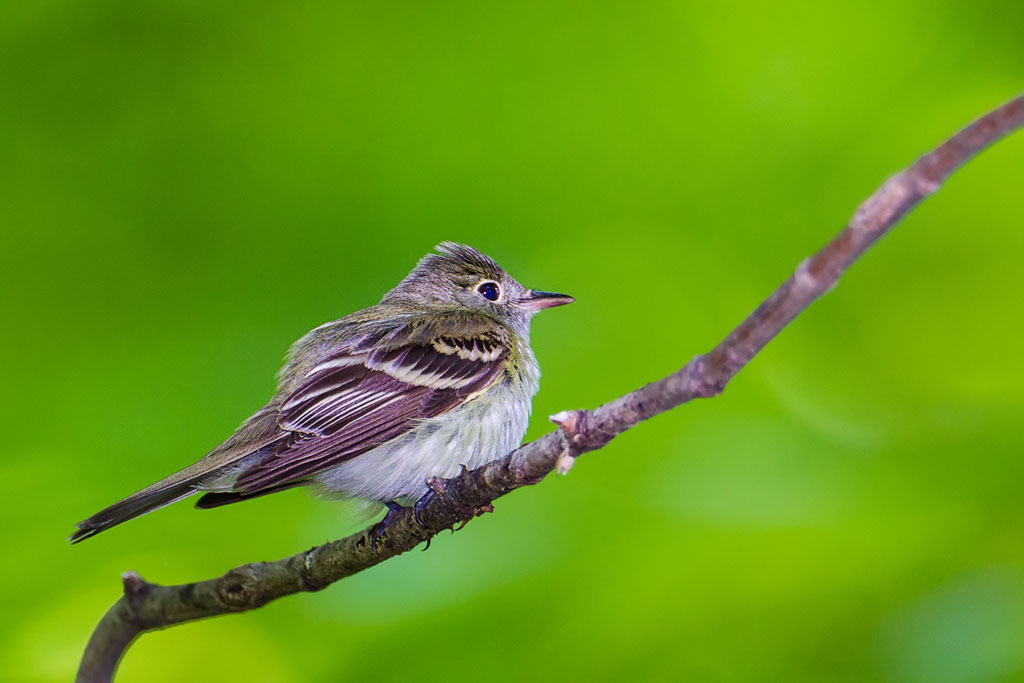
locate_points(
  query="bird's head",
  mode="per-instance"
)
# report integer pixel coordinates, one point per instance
(460, 276)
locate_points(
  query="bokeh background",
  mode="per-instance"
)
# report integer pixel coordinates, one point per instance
(188, 187)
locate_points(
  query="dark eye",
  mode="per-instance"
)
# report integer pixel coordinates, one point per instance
(489, 291)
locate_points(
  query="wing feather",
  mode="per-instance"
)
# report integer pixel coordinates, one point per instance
(371, 391)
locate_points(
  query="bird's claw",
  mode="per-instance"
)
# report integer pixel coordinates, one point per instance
(435, 488)
(380, 531)
(417, 509)
(477, 512)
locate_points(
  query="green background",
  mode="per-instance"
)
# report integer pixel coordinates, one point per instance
(188, 187)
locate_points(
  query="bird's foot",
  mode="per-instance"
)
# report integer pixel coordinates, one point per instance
(380, 531)
(417, 509)
(435, 488)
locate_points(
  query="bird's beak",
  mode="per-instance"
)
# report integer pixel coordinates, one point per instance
(535, 300)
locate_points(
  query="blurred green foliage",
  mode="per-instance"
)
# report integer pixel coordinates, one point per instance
(188, 187)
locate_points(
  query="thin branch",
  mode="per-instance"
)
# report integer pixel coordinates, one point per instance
(146, 606)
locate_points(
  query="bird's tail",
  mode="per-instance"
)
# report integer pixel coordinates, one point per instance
(148, 499)
(251, 442)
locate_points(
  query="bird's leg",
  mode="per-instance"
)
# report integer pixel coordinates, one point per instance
(417, 509)
(435, 488)
(382, 526)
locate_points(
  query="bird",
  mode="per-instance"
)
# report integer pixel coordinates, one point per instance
(439, 375)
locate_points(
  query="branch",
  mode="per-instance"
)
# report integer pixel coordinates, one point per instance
(146, 606)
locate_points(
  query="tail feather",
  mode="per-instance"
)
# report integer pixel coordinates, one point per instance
(251, 442)
(133, 506)
(193, 479)
(215, 499)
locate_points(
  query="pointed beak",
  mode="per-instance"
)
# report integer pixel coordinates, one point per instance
(536, 300)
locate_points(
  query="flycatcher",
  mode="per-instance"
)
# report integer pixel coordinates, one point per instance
(438, 375)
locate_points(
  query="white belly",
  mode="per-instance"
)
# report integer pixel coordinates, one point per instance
(482, 430)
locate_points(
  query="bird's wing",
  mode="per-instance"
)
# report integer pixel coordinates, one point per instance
(372, 391)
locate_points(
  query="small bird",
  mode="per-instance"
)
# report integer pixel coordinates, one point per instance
(438, 375)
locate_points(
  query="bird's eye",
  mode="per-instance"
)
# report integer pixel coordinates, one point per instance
(489, 291)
